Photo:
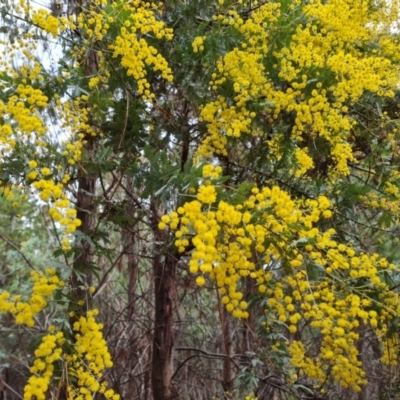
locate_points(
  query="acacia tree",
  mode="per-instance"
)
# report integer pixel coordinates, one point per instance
(245, 152)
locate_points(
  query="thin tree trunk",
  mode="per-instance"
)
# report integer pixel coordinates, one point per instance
(130, 249)
(86, 209)
(227, 380)
(362, 348)
(165, 299)
(129, 236)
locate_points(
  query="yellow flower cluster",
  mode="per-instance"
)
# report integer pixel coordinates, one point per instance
(22, 121)
(74, 119)
(231, 259)
(303, 160)
(21, 116)
(318, 72)
(211, 171)
(136, 54)
(243, 67)
(207, 194)
(269, 229)
(91, 358)
(334, 308)
(46, 21)
(32, 96)
(198, 44)
(61, 210)
(43, 288)
(48, 352)
(94, 22)
(391, 200)
(384, 203)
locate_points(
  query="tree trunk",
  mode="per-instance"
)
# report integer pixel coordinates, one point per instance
(165, 299)
(86, 209)
(130, 249)
(227, 379)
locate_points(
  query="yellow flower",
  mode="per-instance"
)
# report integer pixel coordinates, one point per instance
(207, 194)
(200, 281)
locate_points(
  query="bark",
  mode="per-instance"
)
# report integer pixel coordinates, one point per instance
(362, 350)
(147, 384)
(130, 249)
(86, 209)
(135, 352)
(163, 340)
(227, 379)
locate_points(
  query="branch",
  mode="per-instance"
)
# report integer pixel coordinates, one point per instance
(14, 246)
(206, 353)
(203, 354)
(11, 389)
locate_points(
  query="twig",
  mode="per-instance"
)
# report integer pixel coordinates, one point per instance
(14, 246)
(11, 389)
